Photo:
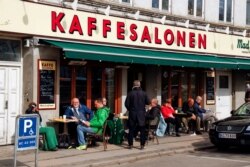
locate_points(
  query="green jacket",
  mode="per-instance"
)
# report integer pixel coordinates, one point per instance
(98, 120)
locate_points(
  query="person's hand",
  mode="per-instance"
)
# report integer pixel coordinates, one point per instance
(193, 117)
(86, 123)
(74, 118)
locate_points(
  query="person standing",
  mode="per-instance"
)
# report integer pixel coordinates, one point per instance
(135, 103)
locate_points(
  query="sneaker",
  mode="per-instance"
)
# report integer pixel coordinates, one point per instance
(130, 147)
(198, 133)
(82, 147)
(194, 134)
(178, 135)
(142, 147)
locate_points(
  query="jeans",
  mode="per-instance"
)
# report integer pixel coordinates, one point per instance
(81, 130)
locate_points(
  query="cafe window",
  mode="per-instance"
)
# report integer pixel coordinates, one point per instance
(195, 8)
(248, 12)
(81, 83)
(225, 10)
(10, 50)
(179, 86)
(160, 4)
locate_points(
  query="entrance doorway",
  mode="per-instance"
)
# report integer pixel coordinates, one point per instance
(224, 94)
(9, 102)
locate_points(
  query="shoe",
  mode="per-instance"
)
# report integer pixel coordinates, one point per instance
(54, 149)
(130, 147)
(142, 147)
(198, 133)
(194, 134)
(82, 147)
(187, 131)
(178, 135)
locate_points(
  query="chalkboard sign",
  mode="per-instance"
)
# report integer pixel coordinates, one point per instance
(210, 90)
(46, 85)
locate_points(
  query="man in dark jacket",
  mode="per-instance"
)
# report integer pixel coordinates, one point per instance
(135, 103)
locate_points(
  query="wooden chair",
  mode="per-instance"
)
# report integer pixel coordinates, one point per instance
(152, 127)
(91, 138)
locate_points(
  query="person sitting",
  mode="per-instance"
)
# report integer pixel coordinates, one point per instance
(197, 107)
(154, 110)
(77, 111)
(49, 132)
(167, 112)
(192, 116)
(94, 126)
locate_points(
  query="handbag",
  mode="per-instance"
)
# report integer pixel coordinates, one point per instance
(162, 126)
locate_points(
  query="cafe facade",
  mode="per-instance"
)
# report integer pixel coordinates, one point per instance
(50, 54)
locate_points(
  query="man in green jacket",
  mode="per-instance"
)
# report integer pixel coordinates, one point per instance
(95, 125)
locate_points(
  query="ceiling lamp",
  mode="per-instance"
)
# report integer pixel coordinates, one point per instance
(107, 10)
(74, 5)
(137, 15)
(163, 19)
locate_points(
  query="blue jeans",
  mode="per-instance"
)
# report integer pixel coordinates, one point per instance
(81, 130)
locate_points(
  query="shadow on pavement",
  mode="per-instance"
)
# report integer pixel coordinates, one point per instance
(10, 163)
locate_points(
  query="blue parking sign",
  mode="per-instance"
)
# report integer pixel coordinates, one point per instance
(27, 132)
(27, 126)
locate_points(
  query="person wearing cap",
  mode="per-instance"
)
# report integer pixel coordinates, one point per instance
(49, 132)
(135, 103)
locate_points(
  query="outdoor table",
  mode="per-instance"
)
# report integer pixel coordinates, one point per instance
(64, 121)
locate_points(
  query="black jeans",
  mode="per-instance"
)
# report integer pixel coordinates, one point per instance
(131, 134)
(175, 121)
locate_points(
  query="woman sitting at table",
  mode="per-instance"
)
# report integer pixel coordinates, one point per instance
(50, 142)
(167, 111)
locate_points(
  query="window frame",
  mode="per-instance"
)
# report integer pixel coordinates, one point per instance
(195, 9)
(247, 23)
(128, 3)
(225, 12)
(160, 6)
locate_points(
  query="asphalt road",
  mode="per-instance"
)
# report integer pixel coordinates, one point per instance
(234, 157)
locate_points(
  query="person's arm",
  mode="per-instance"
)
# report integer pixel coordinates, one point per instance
(127, 103)
(88, 111)
(68, 112)
(99, 119)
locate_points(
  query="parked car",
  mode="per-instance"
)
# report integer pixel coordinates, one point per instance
(232, 131)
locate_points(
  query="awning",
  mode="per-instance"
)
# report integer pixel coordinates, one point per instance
(142, 56)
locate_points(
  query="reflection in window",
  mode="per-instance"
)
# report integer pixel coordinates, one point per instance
(96, 84)
(65, 87)
(225, 10)
(164, 91)
(199, 8)
(191, 7)
(174, 88)
(155, 4)
(195, 7)
(184, 87)
(193, 83)
(81, 84)
(10, 50)
(229, 10)
(248, 13)
(165, 4)
(127, 1)
(223, 82)
(160, 4)
(110, 87)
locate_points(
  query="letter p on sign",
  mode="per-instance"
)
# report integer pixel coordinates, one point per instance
(27, 124)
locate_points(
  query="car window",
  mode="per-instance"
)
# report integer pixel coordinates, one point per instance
(243, 110)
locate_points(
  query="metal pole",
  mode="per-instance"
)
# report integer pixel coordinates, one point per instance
(16, 138)
(37, 140)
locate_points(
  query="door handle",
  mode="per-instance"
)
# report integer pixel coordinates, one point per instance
(6, 104)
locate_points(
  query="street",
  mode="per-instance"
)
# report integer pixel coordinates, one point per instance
(209, 158)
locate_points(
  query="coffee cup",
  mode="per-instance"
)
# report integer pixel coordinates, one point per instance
(64, 116)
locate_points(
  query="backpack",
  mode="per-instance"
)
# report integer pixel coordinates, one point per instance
(162, 126)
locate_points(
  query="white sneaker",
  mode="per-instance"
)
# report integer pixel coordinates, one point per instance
(194, 134)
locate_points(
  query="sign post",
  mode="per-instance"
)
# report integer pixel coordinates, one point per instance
(27, 134)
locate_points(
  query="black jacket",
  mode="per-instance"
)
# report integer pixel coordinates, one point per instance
(30, 111)
(153, 112)
(135, 104)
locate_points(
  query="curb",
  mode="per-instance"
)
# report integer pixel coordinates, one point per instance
(118, 160)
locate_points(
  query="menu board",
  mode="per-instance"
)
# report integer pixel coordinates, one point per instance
(210, 89)
(46, 85)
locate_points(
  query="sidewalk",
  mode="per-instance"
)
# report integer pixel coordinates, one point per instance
(114, 155)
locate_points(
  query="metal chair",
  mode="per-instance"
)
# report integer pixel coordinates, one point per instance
(152, 127)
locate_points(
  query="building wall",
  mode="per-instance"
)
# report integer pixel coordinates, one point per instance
(240, 12)
(180, 7)
(211, 10)
(239, 87)
(30, 79)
